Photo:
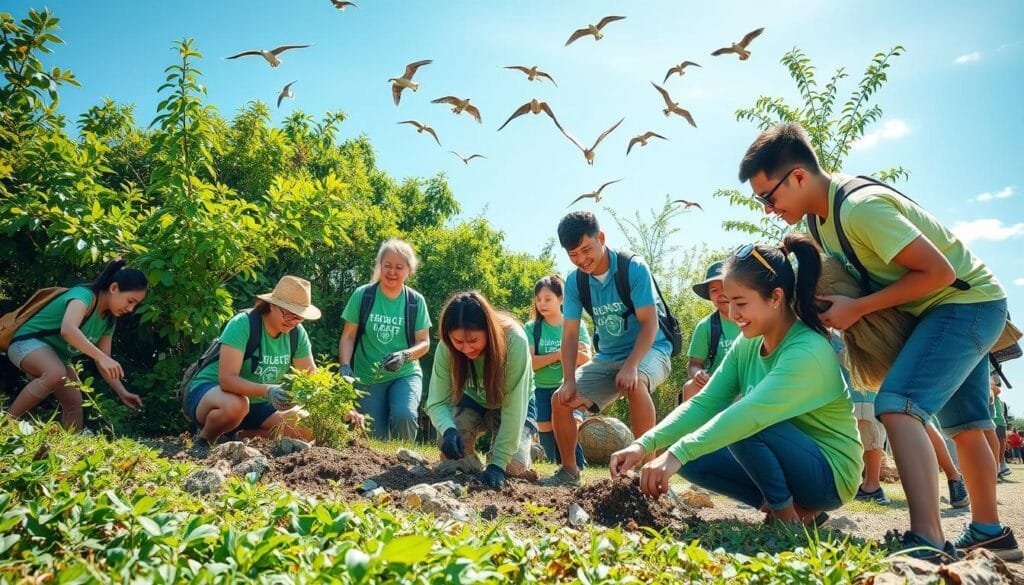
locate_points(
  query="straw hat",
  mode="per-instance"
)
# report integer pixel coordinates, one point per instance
(714, 273)
(292, 293)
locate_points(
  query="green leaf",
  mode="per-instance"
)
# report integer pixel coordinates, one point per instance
(407, 550)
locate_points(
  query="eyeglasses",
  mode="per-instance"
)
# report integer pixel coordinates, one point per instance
(289, 317)
(766, 199)
(751, 250)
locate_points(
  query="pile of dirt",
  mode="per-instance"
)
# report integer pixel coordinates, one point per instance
(619, 502)
(322, 471)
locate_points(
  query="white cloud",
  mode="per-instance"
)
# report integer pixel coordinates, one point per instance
(968, 58)
(1001, 194)
(891, 130)
(987, 229)
(1018, 281)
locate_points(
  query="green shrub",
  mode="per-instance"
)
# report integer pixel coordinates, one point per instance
(328, 398)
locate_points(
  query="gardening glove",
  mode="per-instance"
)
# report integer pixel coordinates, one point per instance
(347, 373)
(452, 445)
(492, 477)
(394, 360)
(279, 397)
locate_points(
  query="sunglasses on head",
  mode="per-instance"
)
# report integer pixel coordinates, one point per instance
(751, 250)
(766, 199)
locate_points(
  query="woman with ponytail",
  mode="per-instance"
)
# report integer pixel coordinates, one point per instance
(774, 426)
(481, 381)
(79, 321)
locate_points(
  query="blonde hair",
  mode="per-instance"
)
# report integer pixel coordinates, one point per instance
(395, 246)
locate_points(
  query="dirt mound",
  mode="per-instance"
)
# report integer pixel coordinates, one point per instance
(614, 502)
(323, 471)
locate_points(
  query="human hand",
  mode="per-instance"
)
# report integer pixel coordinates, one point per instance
(655, 475)
(843, 313)
(395, 360)
(279, 397)
(347, 373)
(130, 400)
(701, 379)
(110, 369)
(492, 477)
(624, 460)
(452, 445)
(568, 394)
(627, 380)
(356, 419)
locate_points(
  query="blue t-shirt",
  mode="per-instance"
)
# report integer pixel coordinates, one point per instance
(616, 337)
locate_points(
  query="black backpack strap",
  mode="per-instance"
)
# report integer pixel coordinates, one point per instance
(293, 340)
(411, 305)
(537, 325)
(583, 287)
(622, 260)
(253, 346)
(365, 306)
(716, 337)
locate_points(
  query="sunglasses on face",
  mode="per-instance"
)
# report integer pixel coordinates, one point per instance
(751, 250)
(766, 199)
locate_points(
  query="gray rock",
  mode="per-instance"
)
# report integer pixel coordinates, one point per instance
(376, 493)
(368, 486)
(455, 489)
(288, 445)
(234, 452)
(252, 468)
(419, 470)
(412, 457)
(577, 515)
(429, 499)
(203, 481)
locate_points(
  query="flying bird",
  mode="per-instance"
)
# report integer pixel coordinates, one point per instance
(588, 153)
(286, 92)
(679, 69)
(592, 29)
(342, 4)
(642, 139)
(405, 81)
(740, 48)
(270, 56)
(532, 73)
(533, 107)
(595, 195)
(466, 159)
(421, 128)
(688, 204)
(459, 105)
(673, 107)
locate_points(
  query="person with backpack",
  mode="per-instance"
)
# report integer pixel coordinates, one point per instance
(480, 383)
(774, 427)
(387, 331)
(713, 335)
(238, 384)
(58, 325)
(634, 336)
(546, 332)
(999, 434)
(905, 258)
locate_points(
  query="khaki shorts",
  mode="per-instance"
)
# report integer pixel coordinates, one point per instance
(595, 379)
(872, 432)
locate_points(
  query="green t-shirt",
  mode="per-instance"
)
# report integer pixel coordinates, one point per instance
(51, 316)
(518, 389)
(275, 358)
(999, 418)
(799, 382)
(701, 339)
(550, 376)
(385, 333)
(880, 224)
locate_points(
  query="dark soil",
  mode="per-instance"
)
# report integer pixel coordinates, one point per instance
(620, 502)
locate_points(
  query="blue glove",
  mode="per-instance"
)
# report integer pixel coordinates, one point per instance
(492, 477)
(347, 373)
(452, 445)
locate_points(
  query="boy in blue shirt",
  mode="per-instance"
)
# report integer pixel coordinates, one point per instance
(632, 352)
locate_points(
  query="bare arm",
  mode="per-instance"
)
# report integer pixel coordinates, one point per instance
(422, 345)
(696, 366)
(570, 350)
(928, 271)
(347, 343)
(541, 361)
(128, 398)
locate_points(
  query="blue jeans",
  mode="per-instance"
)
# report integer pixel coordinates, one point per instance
(393, 406)
(943, 367)
(542, 396)
(777, 466)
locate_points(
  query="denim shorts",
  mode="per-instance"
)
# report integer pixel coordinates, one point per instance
(543, 399)
(943, 367)
(254, 419)
(595, 379)
(19, 350)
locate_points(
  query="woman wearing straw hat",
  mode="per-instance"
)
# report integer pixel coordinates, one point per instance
(233, 393)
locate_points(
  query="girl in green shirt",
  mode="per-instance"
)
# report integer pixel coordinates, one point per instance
(774, 426)
(79, 321)
(481, 382)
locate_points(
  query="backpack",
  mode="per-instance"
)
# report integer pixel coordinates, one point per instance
(10, 322)
(366, 305)
(1006, 348)
(668, 324)
(212, 354)
(716, 337)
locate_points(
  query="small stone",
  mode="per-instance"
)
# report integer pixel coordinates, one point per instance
(419, 470)
(368, 486)
(376, 493)
(288, 445)
(233, 451)
(203, 481)
(469, 464)
(577, 515)
(490, 512)
(430, 500)
(696, 499)
(253, 468)
(843, 523)
(456, 489)
(537, 452)
(412, 457)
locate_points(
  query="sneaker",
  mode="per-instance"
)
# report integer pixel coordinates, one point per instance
(912, 545)
(1003, 545)
(562, 477)
(1004, 471)
(958, 497)
(200, 448)
(877, 496)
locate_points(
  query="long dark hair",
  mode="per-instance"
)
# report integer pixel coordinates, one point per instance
(126, 279)
(798, 287)
(553, 283)
(471, 311)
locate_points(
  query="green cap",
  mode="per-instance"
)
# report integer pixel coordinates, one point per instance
(714, 273)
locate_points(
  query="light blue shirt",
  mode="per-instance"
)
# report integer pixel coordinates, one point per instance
(616, 336)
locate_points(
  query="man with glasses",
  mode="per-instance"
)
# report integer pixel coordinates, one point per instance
(907, 259)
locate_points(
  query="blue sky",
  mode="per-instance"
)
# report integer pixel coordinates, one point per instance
(952, 106)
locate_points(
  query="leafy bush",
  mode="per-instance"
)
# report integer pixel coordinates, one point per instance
(327, 398)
